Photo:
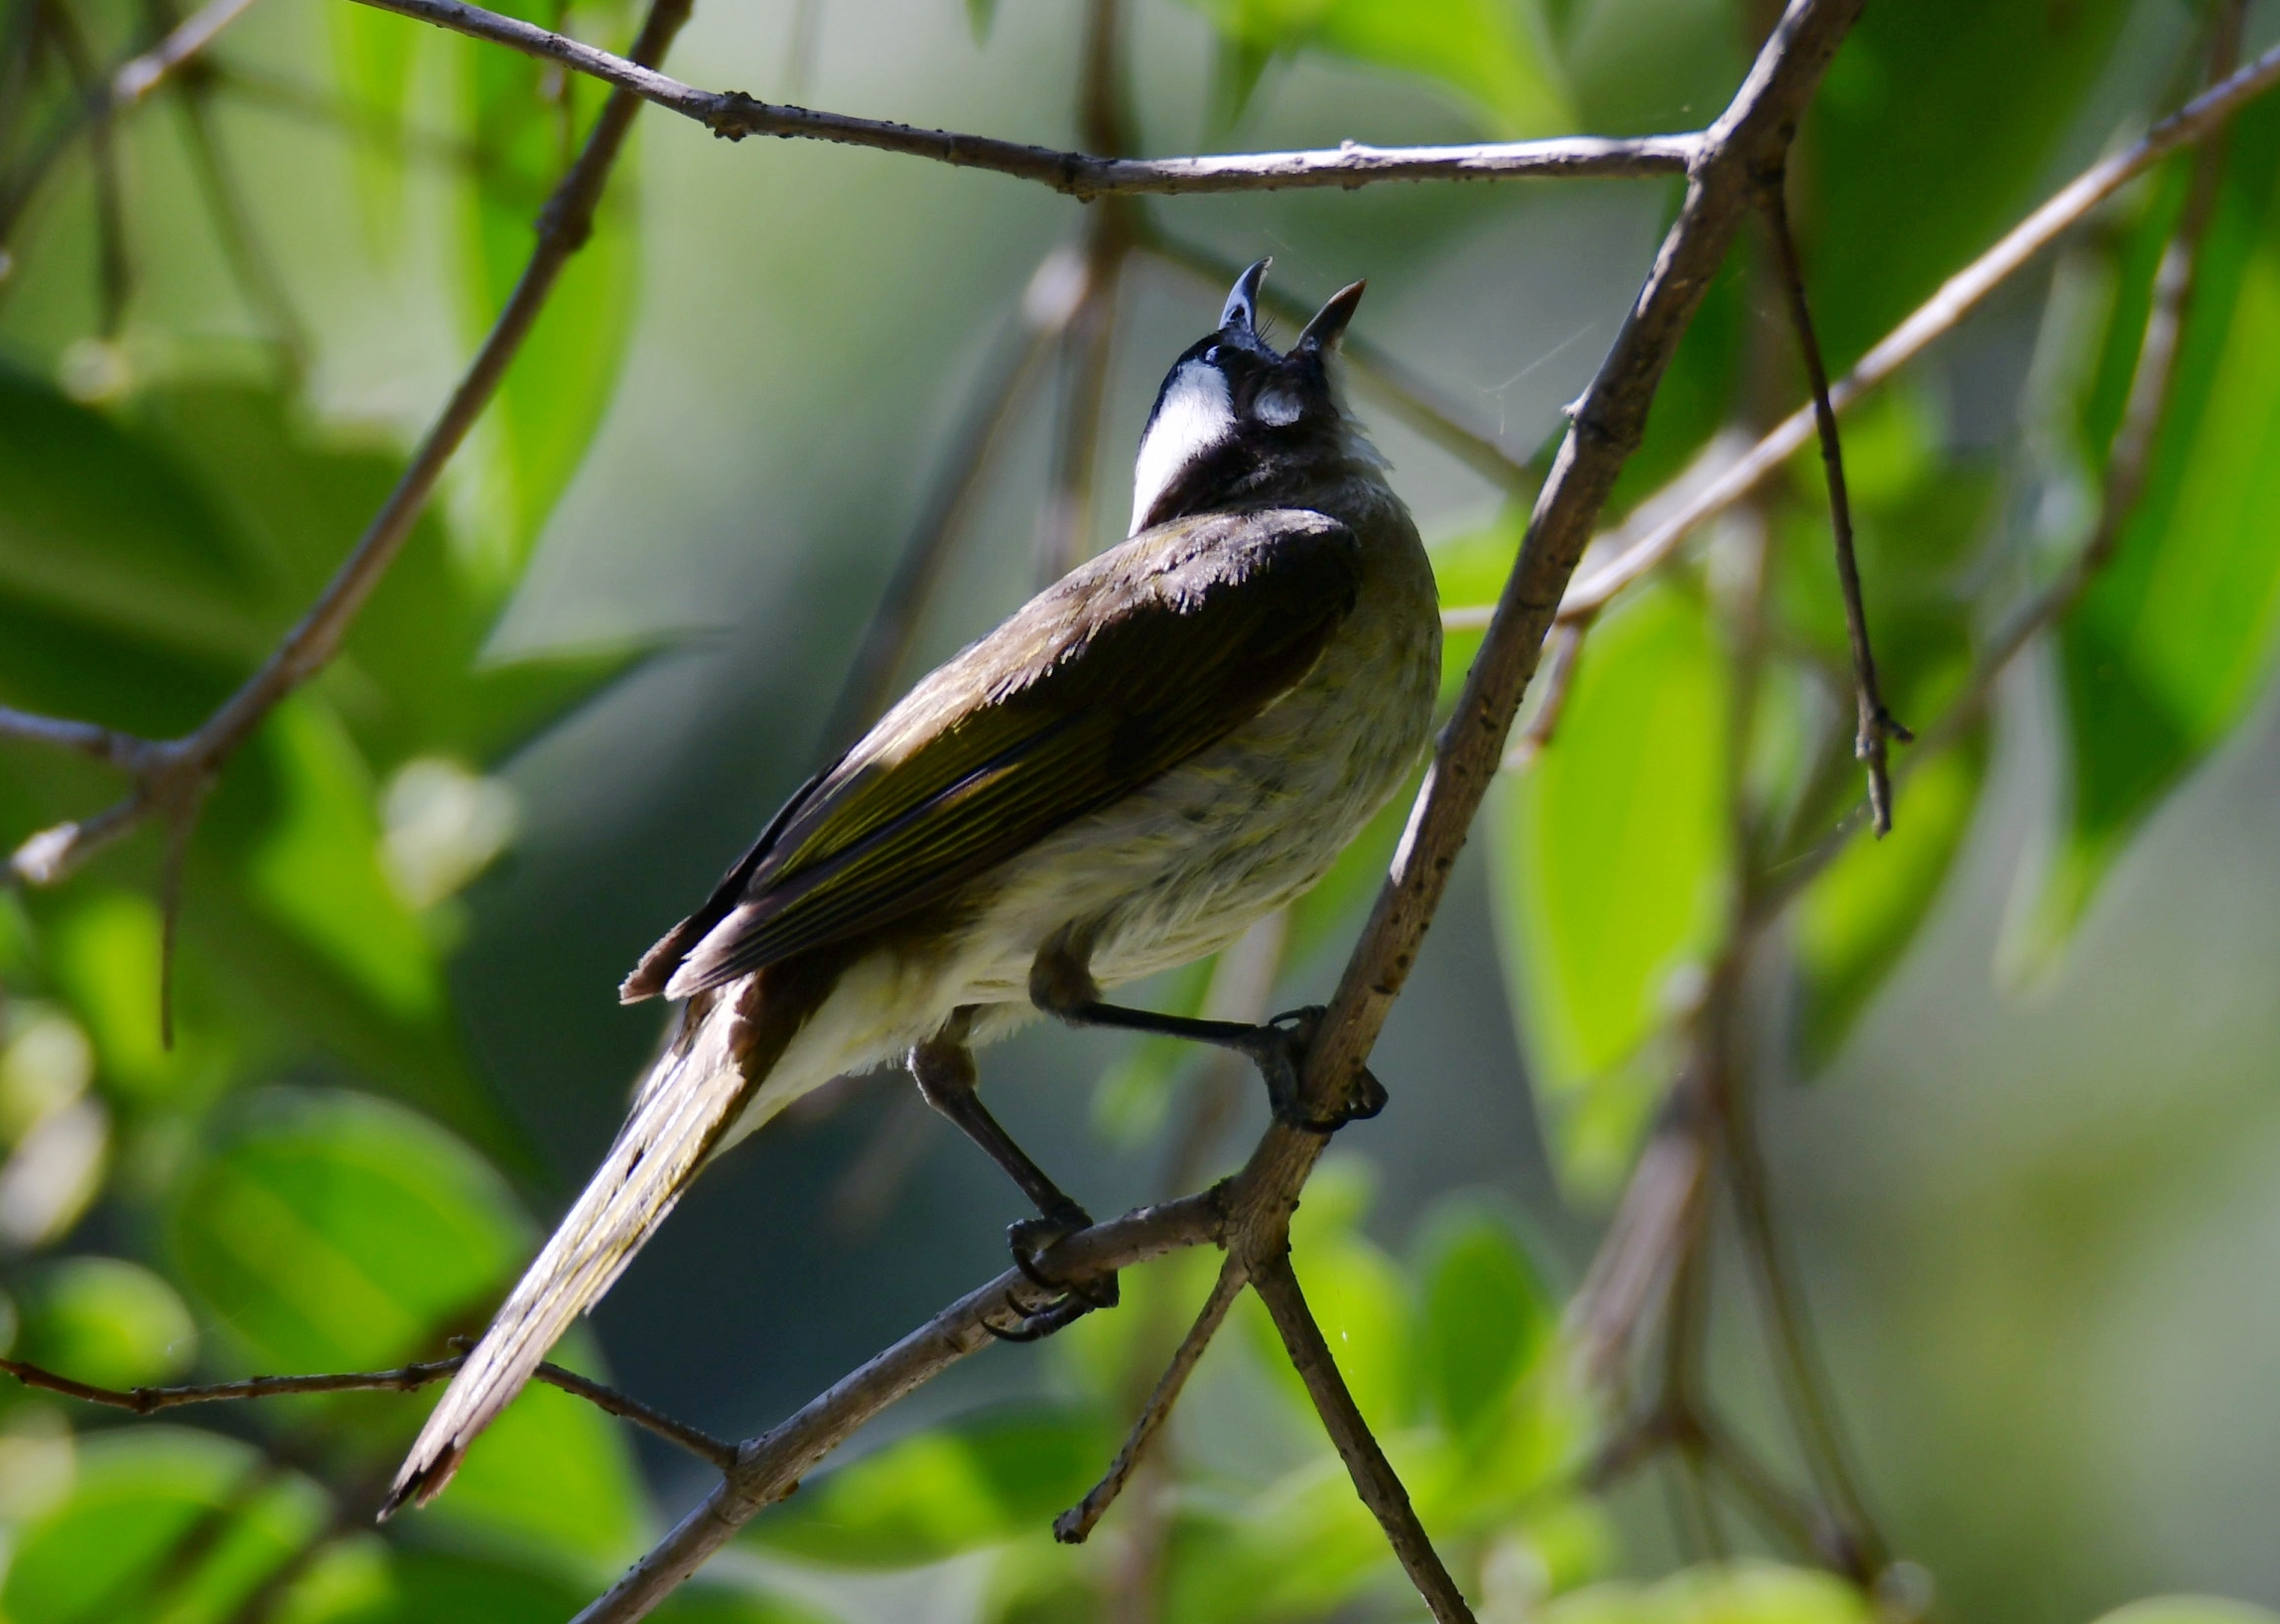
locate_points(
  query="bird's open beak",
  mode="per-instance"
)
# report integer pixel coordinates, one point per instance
(1329, 323)
(1240, 319)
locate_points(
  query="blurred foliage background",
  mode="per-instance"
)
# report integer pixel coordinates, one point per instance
(2012, 1065)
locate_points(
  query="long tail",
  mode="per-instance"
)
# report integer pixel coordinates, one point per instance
(721, 1055)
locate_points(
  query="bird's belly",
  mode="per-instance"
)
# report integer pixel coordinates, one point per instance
(1184, 866)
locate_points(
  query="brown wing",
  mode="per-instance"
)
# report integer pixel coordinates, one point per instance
(1119, 672)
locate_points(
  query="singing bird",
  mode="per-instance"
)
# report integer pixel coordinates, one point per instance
(1165, 746)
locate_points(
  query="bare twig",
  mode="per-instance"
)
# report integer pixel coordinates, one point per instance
(1559, 674)
(1374, 1479)
(145, 1401)
(1940, 315)
(735, 115)
(1074, 1525)
(171, 776)
(103, 744)
(770, 1466)
(114, 272)
(121, 90)
(1876, 726)
(2129, 461)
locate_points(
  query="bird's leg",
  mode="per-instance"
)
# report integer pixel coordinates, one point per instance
(1061, 984)
(943, 1067)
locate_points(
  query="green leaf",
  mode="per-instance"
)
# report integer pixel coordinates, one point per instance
(372, 64)
(974, 1482)
(980, 14)
(553, 1482)
(1855, 921)
(163, 1523)
(528, 120)
(1358, 1296)
(1487, 1312)
(105, 1321)
(1749, 1591)
(2172, 641)
(1609, 857)
(1636, 66)
(2189, 1610)
(1487, 51)
(1934, 122)
(340, 1232)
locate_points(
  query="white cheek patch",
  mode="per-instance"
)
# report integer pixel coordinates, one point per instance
(1277, 408)
(1194, 416)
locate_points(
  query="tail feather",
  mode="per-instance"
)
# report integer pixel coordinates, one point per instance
(678, 1115)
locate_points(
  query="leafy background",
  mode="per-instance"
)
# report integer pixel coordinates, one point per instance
(2021, 1125)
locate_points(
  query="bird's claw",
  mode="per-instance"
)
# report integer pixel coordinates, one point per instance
(1278, 1050)
(1029, 1240)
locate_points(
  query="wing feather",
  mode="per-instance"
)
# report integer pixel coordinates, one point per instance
(1117, 673)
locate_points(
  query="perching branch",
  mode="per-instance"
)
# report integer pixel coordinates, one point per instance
(1876, 726)
(145, 1401)
(172, 776)
(735, 115)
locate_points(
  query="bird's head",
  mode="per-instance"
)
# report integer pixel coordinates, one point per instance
(1235, 420)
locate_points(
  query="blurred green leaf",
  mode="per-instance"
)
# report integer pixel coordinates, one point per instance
(1855, 921)
(372, 55)
(2172, 641)
(980, 14)
(1491, 53)
(339, 1232)
(1358, 1296)
(974, 1481)
(163, 1524)
(1635, 66)
(1696, 396)
(529, 120)
(1749, 1591)
(552, 1480)
(105, 1321)
(2189, 1610)
(1487, 1312)
(1934, 122)
(1610, 857)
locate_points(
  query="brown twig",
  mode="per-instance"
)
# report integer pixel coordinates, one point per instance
(1074, 1525)
(171, 776)
(2128, 463)
(1937, 315)
(1374, 1478)
(1556, 676)
(1876, 726)
(770, 1466)
(735, 115)
(146, 1401)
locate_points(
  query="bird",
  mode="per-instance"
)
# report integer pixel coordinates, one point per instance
(1169, 743)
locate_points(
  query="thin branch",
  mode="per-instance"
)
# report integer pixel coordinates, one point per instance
(114, 271)
(1374, 1479)
(2128, 463)
(1940, 315)
(1876, 726)
(172, 775)
(123, 89)
(735, 115)
(1559, 676)
(145, 1401)
(770, 1466)
(138, 76)
(1074, 1525)
(120, 749)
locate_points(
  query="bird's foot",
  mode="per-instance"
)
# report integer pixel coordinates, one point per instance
(1029, 1240)
(1277, 1047)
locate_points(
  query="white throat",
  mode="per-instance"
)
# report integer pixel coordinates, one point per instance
(1194, 416)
